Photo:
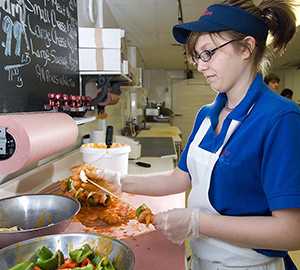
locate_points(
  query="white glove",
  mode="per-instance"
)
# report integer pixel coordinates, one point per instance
(179, 224)
(113, 177)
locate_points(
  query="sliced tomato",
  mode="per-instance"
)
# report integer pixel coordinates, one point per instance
(85, 262)
(68, 264)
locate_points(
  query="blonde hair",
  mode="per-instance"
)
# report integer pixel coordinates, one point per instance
(279, 17)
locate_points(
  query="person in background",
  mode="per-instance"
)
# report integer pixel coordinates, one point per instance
(244, 206)
(287, 92)
(272, 80)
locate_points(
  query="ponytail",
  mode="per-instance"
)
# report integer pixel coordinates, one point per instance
(281, 20)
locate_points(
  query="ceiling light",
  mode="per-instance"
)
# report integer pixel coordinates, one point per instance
(297, 13)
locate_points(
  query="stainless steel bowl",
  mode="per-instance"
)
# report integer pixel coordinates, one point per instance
(36, 215)
(121, 255)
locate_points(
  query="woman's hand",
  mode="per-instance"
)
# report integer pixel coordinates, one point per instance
(178, 224)
(110, 176)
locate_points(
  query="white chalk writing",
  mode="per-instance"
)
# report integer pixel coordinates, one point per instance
(39, 36)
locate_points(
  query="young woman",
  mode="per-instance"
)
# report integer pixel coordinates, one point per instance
(241, 159)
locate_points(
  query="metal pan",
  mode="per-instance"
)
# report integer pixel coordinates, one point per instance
(35, 215)
(121, 255)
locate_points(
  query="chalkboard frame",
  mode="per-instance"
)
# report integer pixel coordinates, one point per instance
(38, 52)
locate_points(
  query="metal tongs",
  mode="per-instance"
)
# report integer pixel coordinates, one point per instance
(85, 179)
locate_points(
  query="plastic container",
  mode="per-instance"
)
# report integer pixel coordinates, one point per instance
(114, 158)
(97, 136)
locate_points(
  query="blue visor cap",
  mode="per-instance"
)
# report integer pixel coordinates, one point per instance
(223, 18)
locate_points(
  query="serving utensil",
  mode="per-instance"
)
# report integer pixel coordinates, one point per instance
(85, 179)
(109, 136)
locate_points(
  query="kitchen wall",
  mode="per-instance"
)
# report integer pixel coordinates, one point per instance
(188, 96)
(290, 78)
(108, 19)
(101, 14)
(159, 84)
(163, 85)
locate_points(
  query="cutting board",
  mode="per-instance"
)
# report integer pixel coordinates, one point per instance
(131, 229)
(154, 252)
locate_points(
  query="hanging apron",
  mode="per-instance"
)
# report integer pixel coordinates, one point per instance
(210, 253)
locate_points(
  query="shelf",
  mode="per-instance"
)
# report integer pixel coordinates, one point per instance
(117, 75)
(84, 120)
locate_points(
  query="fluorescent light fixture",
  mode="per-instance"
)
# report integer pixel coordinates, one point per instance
(297, 12)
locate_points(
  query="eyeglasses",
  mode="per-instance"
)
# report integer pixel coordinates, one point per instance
(206, 55)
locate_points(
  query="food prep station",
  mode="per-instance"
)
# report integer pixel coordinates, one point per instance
(38, 149)
(152, 250)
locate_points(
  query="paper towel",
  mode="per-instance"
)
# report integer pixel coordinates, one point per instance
(37, 135)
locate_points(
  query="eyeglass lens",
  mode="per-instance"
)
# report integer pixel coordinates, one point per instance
(206, 55)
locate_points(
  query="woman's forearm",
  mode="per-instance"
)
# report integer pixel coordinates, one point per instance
(158, 184)
(278, 232)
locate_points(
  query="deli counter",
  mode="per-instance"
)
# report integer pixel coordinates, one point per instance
(152, 250)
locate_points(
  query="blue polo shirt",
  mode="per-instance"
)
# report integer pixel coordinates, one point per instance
(258, 169)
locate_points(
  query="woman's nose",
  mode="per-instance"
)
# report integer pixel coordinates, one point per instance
(201, 65)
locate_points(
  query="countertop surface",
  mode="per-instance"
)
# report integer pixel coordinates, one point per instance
(152, 250)
(39, 178)
(162, 130)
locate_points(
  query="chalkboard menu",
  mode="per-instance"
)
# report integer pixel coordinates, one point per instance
(38, 52)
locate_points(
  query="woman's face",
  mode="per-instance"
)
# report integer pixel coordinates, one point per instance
(226, 65)
(274, 85)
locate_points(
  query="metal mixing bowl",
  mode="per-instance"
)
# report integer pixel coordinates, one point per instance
(35, 215)
(121, 255)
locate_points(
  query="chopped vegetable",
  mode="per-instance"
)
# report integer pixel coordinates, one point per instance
(96, 259)
(106, 264)
(78, 255)
(60, 258)
(91, 201)
(88, 267)
(44, 253)
(144, 214)
(50, 263)
(70, 185)
(84, 258)
(68, 264)
(140, 209)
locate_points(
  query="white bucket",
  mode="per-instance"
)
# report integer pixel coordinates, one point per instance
(97, 136)
(114, 158)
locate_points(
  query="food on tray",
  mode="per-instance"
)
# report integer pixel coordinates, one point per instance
(102, 145)
(96, 205)
(84, 258)
(11, 229)
(144, 214)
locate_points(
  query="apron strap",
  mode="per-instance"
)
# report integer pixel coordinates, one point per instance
(202, 130)
(232, 127)
(205, 125)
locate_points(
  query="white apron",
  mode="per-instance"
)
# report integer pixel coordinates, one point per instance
(210, 253)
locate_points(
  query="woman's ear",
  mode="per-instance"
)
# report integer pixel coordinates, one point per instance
(249, 47)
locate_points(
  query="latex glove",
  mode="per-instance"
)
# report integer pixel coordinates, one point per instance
(112, 177)
(179, 224)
